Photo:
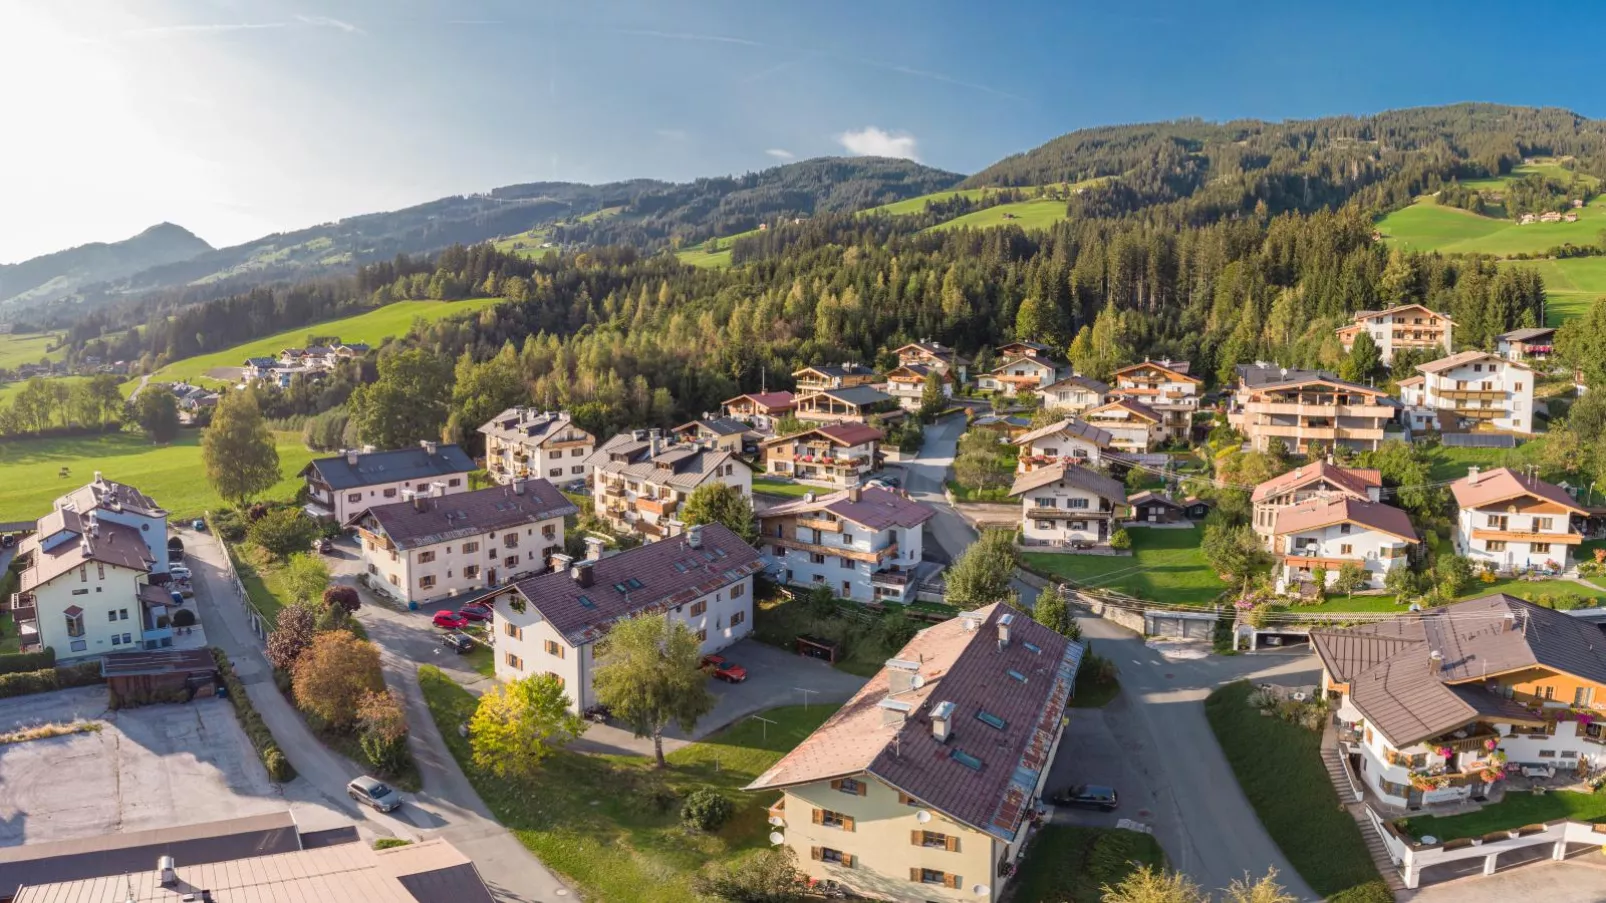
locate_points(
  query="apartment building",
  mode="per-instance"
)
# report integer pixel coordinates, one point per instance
(1329, 532)
(430, 547)
(639, 480)
(832, 376)
(864, 544)
(340, 486)
(1066, 505)
(838, 456)
(1525, 345)
(1069, 440)
(1406, 326)
(86, 588)
(1074, 394)
(1134, 427)
(723, 433)
(1023, 349)
(1434, 708)
(907, 383)
(1513, 522)
(1321, 479)
(525, 444)
(1468, 390)
(1305, 408)
(119, 503)
(1022, 374)
(855, 403)
(759, 410)
(921, 786)
(1165, 387)
(550, 624)
(933, 354)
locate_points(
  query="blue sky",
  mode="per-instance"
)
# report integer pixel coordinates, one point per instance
(236, 118)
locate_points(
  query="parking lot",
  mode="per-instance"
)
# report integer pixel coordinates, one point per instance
(146, 768)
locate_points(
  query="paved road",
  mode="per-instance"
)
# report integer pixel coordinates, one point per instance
(447, 806)
(924, 478)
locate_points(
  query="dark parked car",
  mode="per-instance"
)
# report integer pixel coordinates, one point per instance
(7, 541)
(1086, 796)
(323, 544)
(457, 642)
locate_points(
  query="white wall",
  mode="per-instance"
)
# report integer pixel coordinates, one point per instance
(1066, 445)
(97, 589)
(855, 574)
(1331, 542)
(348, 502)
(1518, 556)
(464, 564)
(1067, 526)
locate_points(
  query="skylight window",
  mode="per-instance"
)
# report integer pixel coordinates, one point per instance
(991, 720)
(620, 588)
(1017, 675)
(680, 567)
(633, 583)
(965, 759)
(1033, 648)
(585, 602)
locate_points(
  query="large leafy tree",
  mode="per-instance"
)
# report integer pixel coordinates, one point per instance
(292, 634)
(982, 573)
(305, 578)
(333, 674)
(480, 391)
(156, 412)
(407, 403)
(1053, 611)
(283, 532)
(237, 449)
(1364, 362)
(652, 679)
(932, 399)
(768, 876)
(518, 725)
(718, 503)
(1234, 551)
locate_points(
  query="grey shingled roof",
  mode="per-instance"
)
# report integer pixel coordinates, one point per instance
(466, 514)
(670, 572)
(681, 465)
(529, 427)
(854, 395)
(1079, 477)
(877, 509)
(1071, 425)
(390, 466)
(1529, 334)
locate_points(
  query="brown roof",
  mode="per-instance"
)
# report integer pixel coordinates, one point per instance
(682, 466)
(1071, 425)
(104, 493)
(1074, 475)
(171, 661)
(528, 426)
(1136, 407)
(665, 574)
(1313, 514)
(1149, 495)
(984, 776)
(876, 508)
(843, 434)
(935, 349)
(1352, 480)
(1045, 362)
(118, 545)
(1176, 369)
(1465, 357)
(1411, 381)
(1082, 382)
(1503, 484)
(765, 399)
(1409, 695)
(434, 519)
(1374, 314)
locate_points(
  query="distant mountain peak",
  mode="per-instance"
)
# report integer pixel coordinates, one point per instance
(58, 275)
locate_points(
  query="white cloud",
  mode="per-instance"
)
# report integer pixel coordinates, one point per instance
(873, 142)
(328, 22)
(780, 154)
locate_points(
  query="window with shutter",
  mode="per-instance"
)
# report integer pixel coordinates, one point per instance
(953, 843)
(847, 859)
(847, 823)
(819, 816)
(814, 852)
(950, 880)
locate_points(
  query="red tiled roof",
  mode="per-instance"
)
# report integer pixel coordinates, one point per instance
(766, 399)
(876, 508)
(1353, 480)
(850, 434)
(440, 518)
(1503, 484)
(1324, 512)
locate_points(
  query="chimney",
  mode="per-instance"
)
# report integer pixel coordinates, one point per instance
(942, 715)
(694, 537)
(595, 545)
(437, 489)
(430, 447)
(561, 562)
(902, 676)
(351, 457)
(164, 865)
(99, 480)
(855, 493)
(1005, 622)
(1472, 475)
(83, 547)
(1508, 622)
(894, 712)
(581, 573)
(639, 435)
(970, 622)
(1435, 662)
(655, 443)
(518, 486)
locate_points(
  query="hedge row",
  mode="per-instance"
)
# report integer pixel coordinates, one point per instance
(24, 683)
(279, 768)
(14, 662)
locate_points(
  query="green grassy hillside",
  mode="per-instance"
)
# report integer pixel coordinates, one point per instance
(371, 327)
(1039, 213)
(17, 349)
(9, 389)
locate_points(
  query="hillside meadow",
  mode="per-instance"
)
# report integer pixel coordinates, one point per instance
(172, 474)
(17, 349)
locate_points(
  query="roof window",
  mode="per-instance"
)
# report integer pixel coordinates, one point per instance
(965, 759)
(991, 720)
(1033, 648)
(585, 602)
(1016, 674)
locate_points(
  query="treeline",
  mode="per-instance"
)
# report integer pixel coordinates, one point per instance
(44, 407)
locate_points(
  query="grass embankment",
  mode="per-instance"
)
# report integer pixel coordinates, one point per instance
(1165, 566)
(172, 474)
(8, 391)
(372, 327)
(1519, 809)
(611, 824)
(19, 348)
(784, 489)
(1279, 768)
(1068, 864)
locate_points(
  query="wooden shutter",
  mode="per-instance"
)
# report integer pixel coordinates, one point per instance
(847, 860)
(863, 787)
(904, 799)
(953, 843)
(914, 873)
(847, 823)
(915, 838)
(950, 880)
(815, 854)
(819, 816)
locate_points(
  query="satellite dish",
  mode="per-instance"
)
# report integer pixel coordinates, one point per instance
(1299, 696)
(777, 821)
(980, 890)
(923, 816)
(917, 682)
(776, 838)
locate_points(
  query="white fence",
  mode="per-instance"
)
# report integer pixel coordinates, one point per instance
(1489, 854)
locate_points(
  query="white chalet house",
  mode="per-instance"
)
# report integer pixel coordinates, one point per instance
(907, 383)
(340, 486)
(1511, 522)
(1470, 389)
(550, 624)
(1406, 326)
(639, 480)
(865, 544)
(1165, 387)
(430, 547)
(1068, 440)
(837, 455)
(524, 444)
(1332, 531)
(1062, 504)
(1021, 374)
(1308, 481)
(1074, 394)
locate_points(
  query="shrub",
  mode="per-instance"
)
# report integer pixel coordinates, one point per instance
(25, 683)
(1121, 539)
(283, 532)
(344, 596)
(27, 661)
(184, 618)
(228, 525)
(706, 810)
(256, 730)
(388, 843)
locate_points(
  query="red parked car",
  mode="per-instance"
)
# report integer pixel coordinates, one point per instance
(727, 671)
(475, 612)
(450, 620)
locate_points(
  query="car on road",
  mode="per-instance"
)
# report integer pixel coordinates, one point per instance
(457, 642)
(723, 669)
(198, 525)
(373, 792)
(475, 611)
(450, 620)
(1087, 796)
(323, 545)
(8, 540)
(179, 572)
(183, 588)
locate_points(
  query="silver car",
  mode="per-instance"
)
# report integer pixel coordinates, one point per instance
(373, 792)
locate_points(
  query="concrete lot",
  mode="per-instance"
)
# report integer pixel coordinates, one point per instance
(1579, 881)
(148, 767)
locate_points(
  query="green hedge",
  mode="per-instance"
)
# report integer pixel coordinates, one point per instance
(27, 661)
(279, 768)
(24, 683)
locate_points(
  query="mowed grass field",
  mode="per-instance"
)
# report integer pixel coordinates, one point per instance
(171, 474)
(17, 349)
(372, 327)
(12, 388)
(1038, 213)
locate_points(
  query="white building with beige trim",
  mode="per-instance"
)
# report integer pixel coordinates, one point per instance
(525, 444)
(1066, 504)
(1510, 522)
(1405, 326)
(1470, 390)
(640, 479)
(1165, 387)
(1069, 440)
(1327, 533)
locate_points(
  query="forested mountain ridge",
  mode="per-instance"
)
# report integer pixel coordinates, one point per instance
(43, 279)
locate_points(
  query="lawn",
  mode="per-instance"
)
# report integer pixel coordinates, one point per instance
(371, 327)
(610, 824)
(1279, 768)
(783, 488)
(1522, 589)
(701, 256)
(172, 474)
(7, 390)
(1447, 463)
(917, 205)
(18, 348)
(10, 641)
(1518, 809)
(779, 621)
(1165, 566)
(1067, 864)
(1038, 213)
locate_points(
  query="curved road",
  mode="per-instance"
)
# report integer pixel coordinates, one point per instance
(1173, 774)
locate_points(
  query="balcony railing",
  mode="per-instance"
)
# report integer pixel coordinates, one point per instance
(875, 557)
(813, 523)
(890, 578)
(659, 507)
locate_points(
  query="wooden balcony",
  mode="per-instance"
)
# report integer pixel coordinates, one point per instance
(1471, 394)
(1296, 560)
(660, 507)
(613, 490)
(1566, 539)
(815, 523)
(875, 557)
(1068, 513)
